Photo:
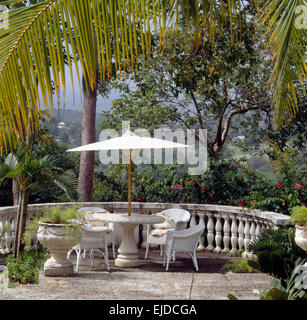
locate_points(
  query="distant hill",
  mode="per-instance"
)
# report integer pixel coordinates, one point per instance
(68, 115)
(68, 132)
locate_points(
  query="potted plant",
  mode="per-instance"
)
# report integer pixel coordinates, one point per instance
(59, 231)
(299, 218)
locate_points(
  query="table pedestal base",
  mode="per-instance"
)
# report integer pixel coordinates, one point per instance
(127, 260)
(128, 251)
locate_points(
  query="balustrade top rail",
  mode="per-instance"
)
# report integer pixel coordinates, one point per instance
(154, 207)
(226, 228)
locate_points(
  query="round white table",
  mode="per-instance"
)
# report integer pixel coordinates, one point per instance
(128, 252)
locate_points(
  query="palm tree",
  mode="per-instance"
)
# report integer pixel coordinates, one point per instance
(32, 55)
(22, 166)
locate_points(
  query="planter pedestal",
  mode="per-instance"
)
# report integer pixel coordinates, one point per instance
(55, 238)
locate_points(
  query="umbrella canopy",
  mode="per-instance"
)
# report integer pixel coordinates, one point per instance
(129, 141)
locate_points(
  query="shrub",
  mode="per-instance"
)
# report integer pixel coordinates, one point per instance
(289, 192)
(292, 289)
(57, 215)
(299, 215)
(225, 182)
(25, 269)
(238, 265)
(277, 253)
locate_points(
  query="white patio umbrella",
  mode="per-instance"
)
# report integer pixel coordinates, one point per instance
(129, 141)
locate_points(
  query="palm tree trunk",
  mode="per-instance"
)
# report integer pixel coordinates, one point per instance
(87, 158)
(16, 191)
(21, 222)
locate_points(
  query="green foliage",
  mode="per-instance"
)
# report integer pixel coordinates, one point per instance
(289, 192)
(299, 215)
(69, 217)
(292, 289)
(289, 291)
(57, 215)
(199, 89)
(225, 182)
(3, 231)
(25, 269)
(238, 265)
(277, 253)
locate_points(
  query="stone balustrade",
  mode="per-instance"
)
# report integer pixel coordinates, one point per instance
(226, 228)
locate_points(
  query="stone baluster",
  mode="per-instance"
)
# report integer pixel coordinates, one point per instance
(253, 238)
(218, 235)
(246, 238)
(210, 234)
(202, 238)
(241, 233)
(8, 236)
(234, 233)
(13, 230)
(226, 230)
(2, 240)
(258, 229)
(193, 219)
(253, 230)
(265, 224)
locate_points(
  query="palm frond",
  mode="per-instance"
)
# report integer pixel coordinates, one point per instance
(68, 183)
(34, 47)
(288, 43)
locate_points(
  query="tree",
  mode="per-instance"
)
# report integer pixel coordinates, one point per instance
(26, 169)
(45, 35)
(218, 87)
(32, 43)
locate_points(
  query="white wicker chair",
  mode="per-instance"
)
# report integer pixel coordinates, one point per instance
(110, 226)
(176, 219)
(92, 239)
(182, 241)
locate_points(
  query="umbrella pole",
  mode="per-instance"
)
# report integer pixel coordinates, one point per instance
(129, 184)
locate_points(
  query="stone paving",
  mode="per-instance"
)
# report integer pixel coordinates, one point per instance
(149, 281)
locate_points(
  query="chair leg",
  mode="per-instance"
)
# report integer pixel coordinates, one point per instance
(113, 250)
(174, 256)
(106, 258)
(147, 249)
(167, 262)
(161, 250)
(91, 258)
(69, 253)
(78, 259)
(113, 246)
(195, 261)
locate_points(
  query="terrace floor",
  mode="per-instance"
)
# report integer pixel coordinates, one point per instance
(149, 281)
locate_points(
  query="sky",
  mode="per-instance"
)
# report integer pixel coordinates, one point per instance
(74, 97)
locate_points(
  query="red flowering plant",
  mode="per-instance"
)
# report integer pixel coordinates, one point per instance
(289, 191)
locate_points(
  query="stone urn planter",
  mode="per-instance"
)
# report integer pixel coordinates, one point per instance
(299, 218)
(59, 241)
(301, 238)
